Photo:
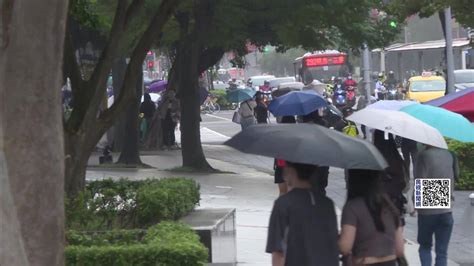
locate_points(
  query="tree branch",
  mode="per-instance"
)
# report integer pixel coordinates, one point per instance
(157, 24)
(210, 57)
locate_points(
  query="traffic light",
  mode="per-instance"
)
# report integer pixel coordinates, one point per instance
(266, 49)
(151, 64)
(393, 23)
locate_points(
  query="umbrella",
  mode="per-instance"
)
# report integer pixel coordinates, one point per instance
(461, 102)
(240, 95)
(450, 124)
(310, 144)
(158, 86)
(390, 104)
(399, 124)
(155, 97)
(297, 103)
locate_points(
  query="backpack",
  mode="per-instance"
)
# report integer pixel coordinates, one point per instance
(350, 130)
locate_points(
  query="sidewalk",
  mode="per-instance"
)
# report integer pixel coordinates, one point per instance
(251, 192)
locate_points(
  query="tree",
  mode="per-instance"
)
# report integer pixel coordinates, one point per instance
(129, 30)
(31, 136)
(208, 28)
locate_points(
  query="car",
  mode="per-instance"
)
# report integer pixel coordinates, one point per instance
(277, 81)
(220, 85)
(258, 81)
(463, 79)
(425, 87)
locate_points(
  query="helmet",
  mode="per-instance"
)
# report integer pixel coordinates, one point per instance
(349, 77)
(380, 75)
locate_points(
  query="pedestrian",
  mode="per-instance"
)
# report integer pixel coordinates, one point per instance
(409, 153)
(279, 165)
(170, 120)
(261, 110)
(246, 112)
(320, 179)
(303, 225)
(432, 162)
(147, 108)
(394, 179)
(371, 233)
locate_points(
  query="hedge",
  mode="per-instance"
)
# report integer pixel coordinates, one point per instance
(465, 154)
(107, 204)
(167, 244)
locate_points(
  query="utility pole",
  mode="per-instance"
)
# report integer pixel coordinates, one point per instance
(366, 69)
(449, 50)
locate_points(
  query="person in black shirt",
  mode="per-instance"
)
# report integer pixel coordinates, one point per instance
(303, 225)
(261, 111)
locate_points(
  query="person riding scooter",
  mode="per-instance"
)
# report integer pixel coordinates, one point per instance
(391, 86)
(350, 85)
(380, 89)
(340, 94)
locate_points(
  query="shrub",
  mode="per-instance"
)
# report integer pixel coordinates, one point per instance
(108, 204)
(167, 243)
(465, 154)
(221, 98)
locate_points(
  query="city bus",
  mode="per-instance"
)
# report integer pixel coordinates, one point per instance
(322, 66)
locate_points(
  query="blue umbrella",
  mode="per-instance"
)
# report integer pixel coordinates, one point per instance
(240, 95)
(450, 124)
(297, 103)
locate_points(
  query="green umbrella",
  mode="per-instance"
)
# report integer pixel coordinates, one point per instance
(240, 95)
(450, 124)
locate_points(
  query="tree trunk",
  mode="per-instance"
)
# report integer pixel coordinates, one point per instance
(118, 74)
(188, 63)
(130, 154)
(32, 197)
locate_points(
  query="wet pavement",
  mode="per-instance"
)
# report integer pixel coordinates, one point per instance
(250, 190)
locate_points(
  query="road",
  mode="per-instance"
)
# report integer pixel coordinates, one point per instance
(219, 127)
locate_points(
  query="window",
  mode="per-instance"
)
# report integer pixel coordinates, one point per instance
(428, 85)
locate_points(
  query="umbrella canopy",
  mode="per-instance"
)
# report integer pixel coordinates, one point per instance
(240, 95)
(450, 124)
(158, 86)
(400, 124)
(461, 102)
(391, 104)
(155, 97)
(310, 144)
(297, 103)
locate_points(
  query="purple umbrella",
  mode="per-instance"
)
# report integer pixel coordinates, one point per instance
(158, 86)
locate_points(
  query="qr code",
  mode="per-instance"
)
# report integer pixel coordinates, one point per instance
(433, 193)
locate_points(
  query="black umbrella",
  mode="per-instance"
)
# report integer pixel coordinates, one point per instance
(310, 144)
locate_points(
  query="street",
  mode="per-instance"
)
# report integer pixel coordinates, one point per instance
(219, 126)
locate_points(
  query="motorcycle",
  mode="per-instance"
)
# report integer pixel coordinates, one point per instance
(351, 96)
(392, 93)
(340, 96)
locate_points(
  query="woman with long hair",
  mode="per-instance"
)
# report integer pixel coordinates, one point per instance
(394, 180)
(371, 232)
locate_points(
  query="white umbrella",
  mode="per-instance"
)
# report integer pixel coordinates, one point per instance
(399, 124)
(155, 97)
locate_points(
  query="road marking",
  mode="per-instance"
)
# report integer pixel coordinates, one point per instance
(215, 132)
(224, 187)
(218, 117)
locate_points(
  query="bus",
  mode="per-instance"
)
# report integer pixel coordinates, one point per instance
(322, 66)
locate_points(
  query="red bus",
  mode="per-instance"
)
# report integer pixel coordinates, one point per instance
(321, 66)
